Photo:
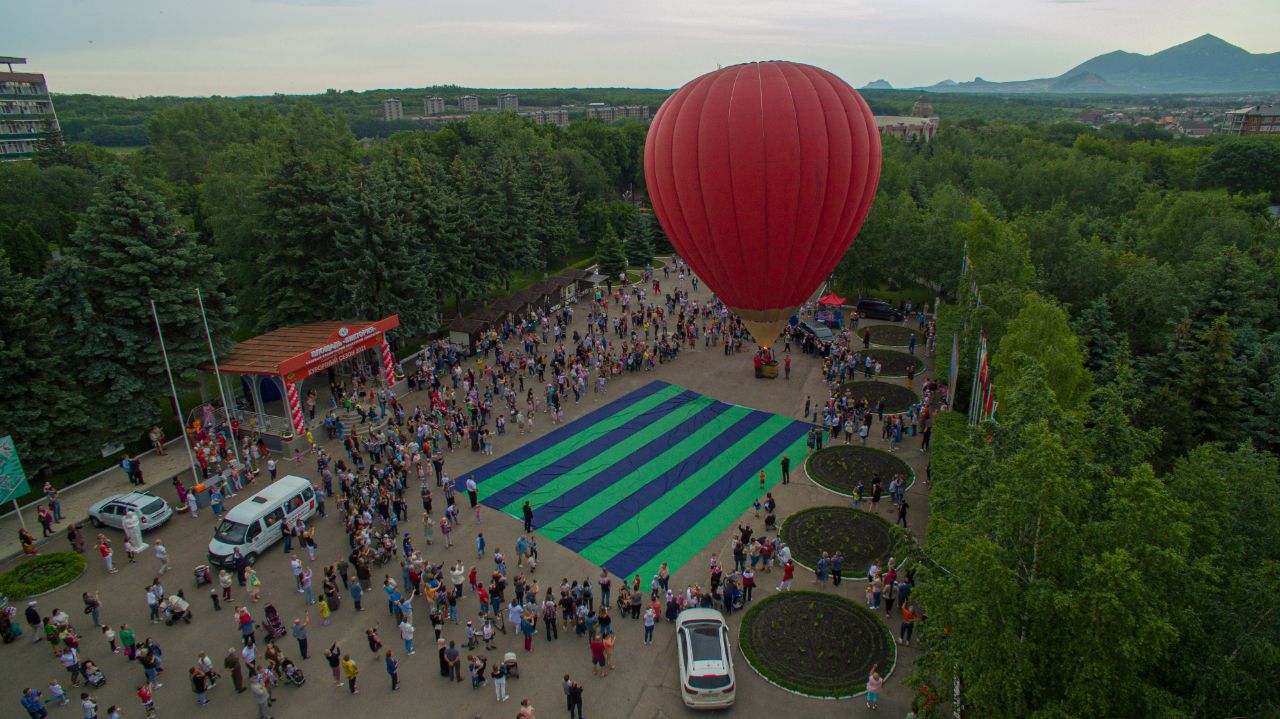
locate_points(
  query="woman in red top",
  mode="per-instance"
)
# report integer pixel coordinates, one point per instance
(597, 657)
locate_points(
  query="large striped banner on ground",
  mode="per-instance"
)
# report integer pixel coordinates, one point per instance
(651, 477)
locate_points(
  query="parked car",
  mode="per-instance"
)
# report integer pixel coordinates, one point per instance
(110, 512)
(706, 661)
(817, 330)
(877, 309)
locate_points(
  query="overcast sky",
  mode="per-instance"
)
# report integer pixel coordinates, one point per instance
(241, 47)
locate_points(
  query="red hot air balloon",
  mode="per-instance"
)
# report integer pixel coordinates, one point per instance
(762, 174)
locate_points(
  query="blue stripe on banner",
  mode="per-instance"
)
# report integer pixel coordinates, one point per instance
(608, 476)
(583, 454)
(592, 531)
(635, 556)
(550, 439)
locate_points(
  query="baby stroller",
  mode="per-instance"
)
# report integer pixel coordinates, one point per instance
(94, 675)
(513, 667)
(272, 624)
(202, 575)
(291, 673)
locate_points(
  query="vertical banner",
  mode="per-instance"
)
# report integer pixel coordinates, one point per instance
(953, 372)
(388, 363)
(13, 478)
(295, 409)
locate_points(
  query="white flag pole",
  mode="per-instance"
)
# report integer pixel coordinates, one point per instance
(182, 423)
(226, 408)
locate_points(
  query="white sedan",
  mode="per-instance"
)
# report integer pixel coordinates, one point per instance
(706, 662)
(110, 512)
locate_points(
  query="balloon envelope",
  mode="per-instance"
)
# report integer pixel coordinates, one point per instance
(761, 174)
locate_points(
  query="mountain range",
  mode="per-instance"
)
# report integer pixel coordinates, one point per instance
(1207, 64)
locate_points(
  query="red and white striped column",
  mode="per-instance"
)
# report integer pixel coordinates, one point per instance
(388, 364)
(295, 409)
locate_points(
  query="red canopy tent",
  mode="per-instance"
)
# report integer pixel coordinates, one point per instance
(833, 300)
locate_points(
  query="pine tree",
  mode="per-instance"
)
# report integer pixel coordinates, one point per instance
(51, 148)
(436, 217)
(639, 244)
(384, 264)
(27, 251)
(126, 253)
(297, 241)
(1098, 333)
(552, 208)
(611, 255)
(45, 413)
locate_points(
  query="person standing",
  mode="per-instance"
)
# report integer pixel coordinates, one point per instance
(406, 633)
(875, 683)
(528, 516)
(902, 513)
(300, 633)
(786, 469)
(526, 710)
(351, 671)
(499, 676)
(232, 665)
(31, 702)
(263, 699)
(473, 492)
(162, 556)
(650, 619)
(393, 670)
(574, 698)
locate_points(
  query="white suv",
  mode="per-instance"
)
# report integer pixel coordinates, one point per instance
(152, 510)
(706, 662)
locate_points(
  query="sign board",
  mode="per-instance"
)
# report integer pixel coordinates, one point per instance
(343, 344)
(13, 480)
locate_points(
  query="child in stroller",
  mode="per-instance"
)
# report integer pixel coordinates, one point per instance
(93, 674)
(272, 625)
(290, 673)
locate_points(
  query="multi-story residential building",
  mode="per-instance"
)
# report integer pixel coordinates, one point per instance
(392, 109)
(508, 102)
(433, 105)
(1254, 120)
(601, 111)
(26, 110)
(548, 117)
(469, 103)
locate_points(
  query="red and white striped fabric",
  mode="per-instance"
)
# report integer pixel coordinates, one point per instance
(295, 409)
(388, 364)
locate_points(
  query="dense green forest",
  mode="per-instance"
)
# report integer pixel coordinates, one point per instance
(1109, 546)
(1087, 546)
(122, 122)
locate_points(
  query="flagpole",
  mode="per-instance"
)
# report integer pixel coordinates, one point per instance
(182, 424)
(226, 408)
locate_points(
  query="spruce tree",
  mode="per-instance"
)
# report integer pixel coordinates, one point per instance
(639, 244)
(297, 241)
(611, 255)
(44, 410)
(27, 251)
(552, 208)
(384, 264)
(51, 148)
(126, 253)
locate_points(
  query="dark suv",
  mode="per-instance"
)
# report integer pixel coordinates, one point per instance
(874, 309)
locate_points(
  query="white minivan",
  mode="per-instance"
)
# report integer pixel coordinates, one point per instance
(255, 524)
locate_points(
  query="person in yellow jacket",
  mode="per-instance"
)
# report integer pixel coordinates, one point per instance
(350, 671)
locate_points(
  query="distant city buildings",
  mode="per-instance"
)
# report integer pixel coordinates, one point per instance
(508, 102)
(469, 103)
(548, 117)
(907, 128)
(392, 109)
(433, 105)
(1254, 120)
(26, 110)
(601, 111)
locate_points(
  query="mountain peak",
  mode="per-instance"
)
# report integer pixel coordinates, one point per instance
(1206, 44)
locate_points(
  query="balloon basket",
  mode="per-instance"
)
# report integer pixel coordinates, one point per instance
(767, 370)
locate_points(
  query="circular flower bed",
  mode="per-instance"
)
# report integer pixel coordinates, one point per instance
(896, 399)
(839, 468)
(892, 335)
(820, 645)
(41, 574)
(894, 363)
(861, 537)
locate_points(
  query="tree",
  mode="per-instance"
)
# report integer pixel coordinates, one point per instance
(126, 253)
(44, 410)
(611, 255)
(639, 242)
(1102, 340)
(296, 240)
(27, 251)
(51, 149)
(1041, 334)
(551, 211)
(384, 265)
(1243, 166)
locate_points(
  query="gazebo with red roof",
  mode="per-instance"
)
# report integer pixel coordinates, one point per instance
(291, 354)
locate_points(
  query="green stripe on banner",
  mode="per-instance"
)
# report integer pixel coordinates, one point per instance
(515, 473)
(688, 545)
(653, 515)
(628, 485)
(609, 457)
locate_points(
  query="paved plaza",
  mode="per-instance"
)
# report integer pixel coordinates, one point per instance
(645, 684)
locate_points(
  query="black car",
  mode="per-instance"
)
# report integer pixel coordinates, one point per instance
(874, 309)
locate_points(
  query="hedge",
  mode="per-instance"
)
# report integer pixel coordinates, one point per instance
(41, 574)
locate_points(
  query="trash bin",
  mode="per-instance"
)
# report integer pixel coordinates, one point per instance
(201, 493)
